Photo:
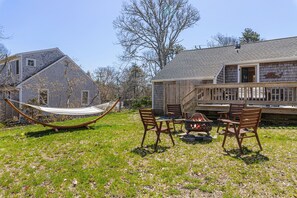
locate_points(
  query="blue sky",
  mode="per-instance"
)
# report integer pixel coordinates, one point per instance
(84, 30)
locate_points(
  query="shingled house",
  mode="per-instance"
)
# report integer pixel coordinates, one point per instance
(45, 77)
(262, 73)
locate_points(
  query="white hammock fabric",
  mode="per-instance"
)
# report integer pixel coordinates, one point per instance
(70, 111)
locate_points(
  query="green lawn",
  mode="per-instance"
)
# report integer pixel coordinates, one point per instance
(106, 161)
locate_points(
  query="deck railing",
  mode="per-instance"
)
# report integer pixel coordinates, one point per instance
(249, 93)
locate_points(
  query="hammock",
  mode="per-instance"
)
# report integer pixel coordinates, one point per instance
(65, 111)
(69, 111)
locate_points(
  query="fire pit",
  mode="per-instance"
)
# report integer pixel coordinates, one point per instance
(199, 123)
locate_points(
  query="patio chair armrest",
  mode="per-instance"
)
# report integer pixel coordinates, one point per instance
(225, 120)
(228, 121)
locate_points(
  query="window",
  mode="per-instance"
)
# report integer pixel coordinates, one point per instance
(85, 97)
(43, 97)
(30, 62)
(17, 67)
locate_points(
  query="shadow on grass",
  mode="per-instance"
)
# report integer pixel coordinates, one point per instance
(248, 156)
(149, 149)
(38, 134)
(42, 133)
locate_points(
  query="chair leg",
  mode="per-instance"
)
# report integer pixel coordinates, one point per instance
(239, 144)
(258, 140)
(219, 125)
(158, 138)
(241, 140)
(224, 140)
(171, 137)
(143, 138)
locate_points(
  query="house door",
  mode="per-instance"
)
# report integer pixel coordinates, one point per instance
(248, 74)
(170, 93)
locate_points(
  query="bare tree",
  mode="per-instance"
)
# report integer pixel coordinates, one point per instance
(107, 78)
(148, 30)
(222, 40)
(134, 83)
(3, 58)
(3, 50)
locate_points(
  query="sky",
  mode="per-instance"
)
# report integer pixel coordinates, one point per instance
(84, 29)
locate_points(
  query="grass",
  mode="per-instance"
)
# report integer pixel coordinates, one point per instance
(107, 161)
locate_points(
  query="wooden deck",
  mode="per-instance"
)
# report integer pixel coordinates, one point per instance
(265, 109)
(273, 98)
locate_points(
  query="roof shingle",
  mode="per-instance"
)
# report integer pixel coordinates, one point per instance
(206, 63)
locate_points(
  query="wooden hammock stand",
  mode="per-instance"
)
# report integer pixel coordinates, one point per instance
(56, 127)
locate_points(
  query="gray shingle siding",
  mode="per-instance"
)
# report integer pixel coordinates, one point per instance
(278, 72)
(43, 59)
(61, 79)
(231, 74)
(9, 78)
(158, 95)
(55, 72)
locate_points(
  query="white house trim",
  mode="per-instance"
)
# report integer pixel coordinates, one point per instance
(257, 71)
(30, 59)
(21, 68)
(294, 58)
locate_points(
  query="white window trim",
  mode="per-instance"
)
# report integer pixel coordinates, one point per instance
(34, 60)
(257, 71)
(9, 69)
(39, 90)
(88, 100)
